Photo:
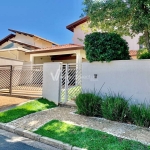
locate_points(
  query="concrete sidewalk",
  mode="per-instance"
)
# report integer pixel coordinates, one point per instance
(127, 131)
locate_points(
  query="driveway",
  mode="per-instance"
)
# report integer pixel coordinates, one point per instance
(7, 102)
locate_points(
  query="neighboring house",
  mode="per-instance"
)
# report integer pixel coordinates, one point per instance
(79, 35)
(68, 53)
(31, 48)
(15, 46)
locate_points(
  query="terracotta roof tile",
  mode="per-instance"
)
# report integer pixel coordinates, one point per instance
(58, 48)
(61, 46)
(133, 52)
(68, 47)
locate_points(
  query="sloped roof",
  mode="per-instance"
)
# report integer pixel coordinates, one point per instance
(7, 38)
(32, 35)
(76, 23)
(21, 43)
(66, 47)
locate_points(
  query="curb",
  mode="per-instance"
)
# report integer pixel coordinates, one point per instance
(39, 138)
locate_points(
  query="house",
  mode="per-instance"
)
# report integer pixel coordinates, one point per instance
(79, 35)
(31, 48)
(68, 53)
(36, 50)
(16, 44)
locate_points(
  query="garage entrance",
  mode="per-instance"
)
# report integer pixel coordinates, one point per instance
(5, 79)
(25, 80)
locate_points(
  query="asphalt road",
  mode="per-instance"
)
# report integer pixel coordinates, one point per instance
(6, 144)
(11, 141)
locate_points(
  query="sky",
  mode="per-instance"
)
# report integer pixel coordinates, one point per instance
(45, 18)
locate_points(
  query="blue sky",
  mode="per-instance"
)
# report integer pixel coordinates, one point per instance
(45, 18)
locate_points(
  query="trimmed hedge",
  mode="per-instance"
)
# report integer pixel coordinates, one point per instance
(105, 47)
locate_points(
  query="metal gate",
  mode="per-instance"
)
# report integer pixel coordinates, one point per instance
(25, 80)
(5, 79)
(70, 81)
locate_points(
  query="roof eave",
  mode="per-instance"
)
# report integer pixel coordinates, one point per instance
(76, 23)
(10, 36)
(31, 35)
(55, 50)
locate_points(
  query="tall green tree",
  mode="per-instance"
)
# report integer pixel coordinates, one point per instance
(125, 17)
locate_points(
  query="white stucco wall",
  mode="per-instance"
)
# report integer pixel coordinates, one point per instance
(80, 34)
(130, 78)
(51, 81)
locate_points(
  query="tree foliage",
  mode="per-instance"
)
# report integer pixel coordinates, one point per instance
(143, 54)
(105, 47)
(125, 17)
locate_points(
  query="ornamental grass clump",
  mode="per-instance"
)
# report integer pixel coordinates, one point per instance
(116, 108)
(140, 115)
(89, 104)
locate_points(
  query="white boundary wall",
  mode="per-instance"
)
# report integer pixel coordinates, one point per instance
(131, 78)
(51, 81)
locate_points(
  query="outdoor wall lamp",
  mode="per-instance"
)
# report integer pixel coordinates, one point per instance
(95, 76)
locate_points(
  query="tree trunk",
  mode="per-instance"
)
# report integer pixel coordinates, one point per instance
(147, 39)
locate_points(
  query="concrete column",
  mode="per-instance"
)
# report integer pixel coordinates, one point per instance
(78, 68)
(78, 58)
(32, 59)
(52, 81)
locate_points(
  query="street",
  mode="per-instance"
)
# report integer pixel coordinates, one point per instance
(6, 144)
(11, 141)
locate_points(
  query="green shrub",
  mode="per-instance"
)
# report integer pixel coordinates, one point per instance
(105, 47)
(143, 54)
(140, 115)
(116, 108)
(89, 104)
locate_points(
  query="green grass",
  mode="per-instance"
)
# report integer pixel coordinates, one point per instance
(87, 138)
(73, 92)
(25, 109)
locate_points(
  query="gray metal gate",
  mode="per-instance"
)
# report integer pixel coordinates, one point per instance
(5, 79)
(70, 81)
(25, 80)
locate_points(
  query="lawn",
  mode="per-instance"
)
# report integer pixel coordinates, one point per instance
(73, 92)
(87, 138)
(25, 109)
